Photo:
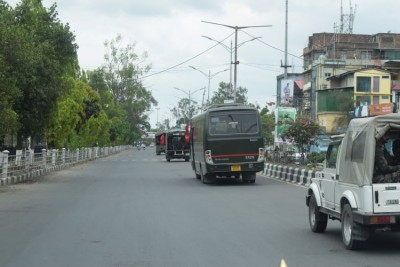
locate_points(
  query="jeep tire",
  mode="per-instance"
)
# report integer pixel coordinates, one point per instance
(318, 220)
(350, 229)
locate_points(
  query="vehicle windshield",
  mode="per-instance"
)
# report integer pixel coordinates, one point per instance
(237, 123)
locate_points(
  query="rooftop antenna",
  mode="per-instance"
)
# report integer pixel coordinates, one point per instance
(347, 20)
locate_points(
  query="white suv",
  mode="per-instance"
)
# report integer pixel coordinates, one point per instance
(344, 190)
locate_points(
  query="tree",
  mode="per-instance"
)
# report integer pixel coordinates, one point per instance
(9, 56)
(268, 125)
(79, 120)
(185, 110)
(121, 72)
(45, 53)
(224, 93)
(302, 131)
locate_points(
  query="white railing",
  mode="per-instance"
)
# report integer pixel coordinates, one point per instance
(25, 164)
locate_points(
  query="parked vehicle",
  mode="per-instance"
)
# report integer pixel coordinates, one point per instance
(226, 141)
(177, 147)
(347, 189)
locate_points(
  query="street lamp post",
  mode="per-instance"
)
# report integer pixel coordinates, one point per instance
(236, 28)
(230, 50)
(209, 77)
(157, 125)
(189, 93)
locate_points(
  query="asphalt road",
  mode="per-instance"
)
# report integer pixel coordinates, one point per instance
(136, 209)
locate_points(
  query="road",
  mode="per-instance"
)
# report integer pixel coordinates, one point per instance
(136, 209)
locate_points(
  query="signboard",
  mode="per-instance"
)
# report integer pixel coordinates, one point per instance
(287, 87)
(380, 109)
(283, 116)
(372, 110)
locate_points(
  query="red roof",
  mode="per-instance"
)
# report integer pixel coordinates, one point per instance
(396, 87)
(299, 84)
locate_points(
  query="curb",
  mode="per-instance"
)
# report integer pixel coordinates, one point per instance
(289, 174)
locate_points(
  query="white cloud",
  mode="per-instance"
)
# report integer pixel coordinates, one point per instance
(170, 31)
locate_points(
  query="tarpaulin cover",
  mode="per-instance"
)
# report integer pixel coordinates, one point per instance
(357, 158)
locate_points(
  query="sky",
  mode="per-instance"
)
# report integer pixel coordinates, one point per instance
(171, 33)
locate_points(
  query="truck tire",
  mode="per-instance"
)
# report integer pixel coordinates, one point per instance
(318, 220)
(350, 229)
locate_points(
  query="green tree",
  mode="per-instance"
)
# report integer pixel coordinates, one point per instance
(45, 55)
(11, 59)
(268, 125)
(302, 131)
(121, 72)
(184, 110)
(224, 93)
(79, 120)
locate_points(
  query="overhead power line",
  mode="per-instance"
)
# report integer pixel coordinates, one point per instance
(186, 61)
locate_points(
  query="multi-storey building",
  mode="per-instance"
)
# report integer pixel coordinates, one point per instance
(341, 65)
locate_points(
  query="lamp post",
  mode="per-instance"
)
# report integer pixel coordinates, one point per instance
(230, 50)
(209, 77)
(157, 125)
(236, 28)
(189, 93)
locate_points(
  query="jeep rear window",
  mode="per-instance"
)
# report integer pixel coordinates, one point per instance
(242, 123)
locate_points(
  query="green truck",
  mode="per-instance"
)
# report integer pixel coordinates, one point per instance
(176, 145)
(226, 141)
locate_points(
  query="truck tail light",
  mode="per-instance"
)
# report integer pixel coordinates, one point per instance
(208, 157)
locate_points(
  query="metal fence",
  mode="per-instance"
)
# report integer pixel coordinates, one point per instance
(25, 164)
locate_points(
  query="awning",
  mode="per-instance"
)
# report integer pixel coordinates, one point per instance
(396, 87)
(299, 84)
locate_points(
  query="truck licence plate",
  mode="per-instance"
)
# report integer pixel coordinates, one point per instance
(235, 168)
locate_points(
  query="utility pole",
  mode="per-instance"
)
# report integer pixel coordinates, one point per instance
(157, 125)
(236, 28)
(286, 66)
(209, 77)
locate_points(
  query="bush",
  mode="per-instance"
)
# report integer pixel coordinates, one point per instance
(314, 158)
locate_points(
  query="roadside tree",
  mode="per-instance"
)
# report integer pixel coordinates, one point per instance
(268, 125)
(224, 92)
(302, 131)
(45, 53)
(122, 72)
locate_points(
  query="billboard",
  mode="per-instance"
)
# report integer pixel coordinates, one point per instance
(287, 87)
(283, 115)
(370, 110)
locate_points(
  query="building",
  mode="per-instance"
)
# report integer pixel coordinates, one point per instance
(337, 66)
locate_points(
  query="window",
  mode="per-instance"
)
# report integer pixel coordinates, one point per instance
(376, 84)
(233, 123)
(365, 55)
(363, 84)
(357, 150)
(363, 100)
(331, 156)
(375, 100)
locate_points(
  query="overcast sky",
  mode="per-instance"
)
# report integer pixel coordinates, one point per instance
(171, 31)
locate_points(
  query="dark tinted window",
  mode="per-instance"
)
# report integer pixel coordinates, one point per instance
(243, 123)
